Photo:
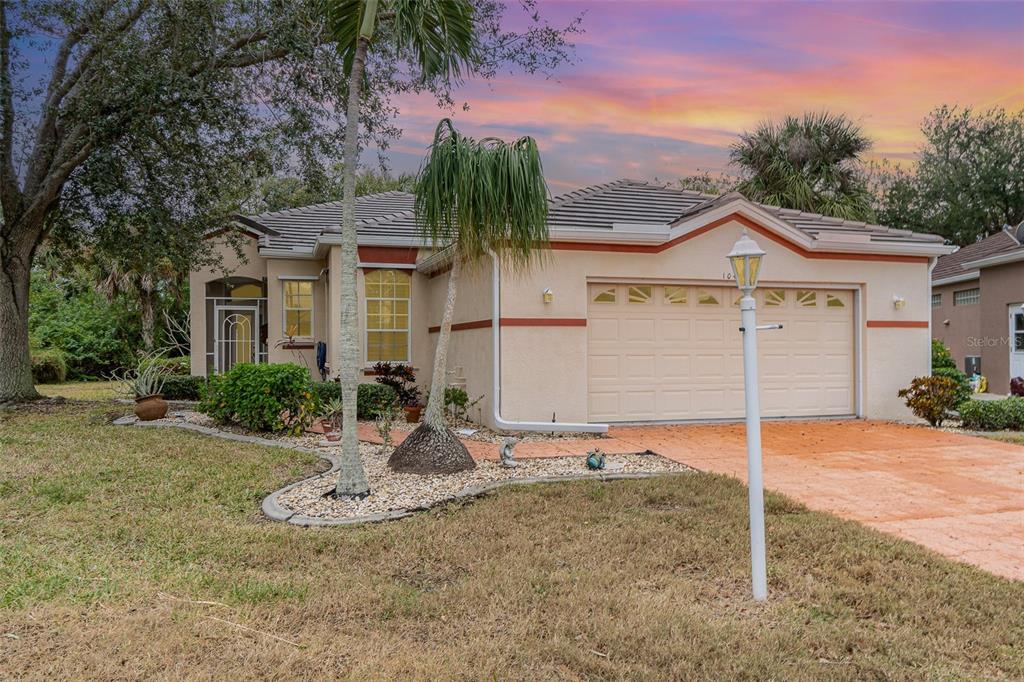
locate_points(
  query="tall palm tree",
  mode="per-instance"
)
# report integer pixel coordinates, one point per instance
(472, 199)
(811, 164)
(439, 36)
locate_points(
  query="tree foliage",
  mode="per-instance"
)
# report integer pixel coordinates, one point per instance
(812, 163)
(969, 179)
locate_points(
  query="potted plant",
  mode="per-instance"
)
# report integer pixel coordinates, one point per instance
(402, 378)
(145, 383)
(332, 414)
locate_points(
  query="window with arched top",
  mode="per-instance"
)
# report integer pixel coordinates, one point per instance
(387, 294)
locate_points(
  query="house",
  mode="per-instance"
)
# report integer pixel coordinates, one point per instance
(977, 299)
(631, 317)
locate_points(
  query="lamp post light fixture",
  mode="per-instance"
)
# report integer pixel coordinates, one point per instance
(745, 258)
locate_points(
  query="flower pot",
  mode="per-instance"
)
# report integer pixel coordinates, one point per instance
(412, 413)
(150, 407)
(332, 436)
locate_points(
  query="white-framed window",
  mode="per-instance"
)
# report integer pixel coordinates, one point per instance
(298, 308)
(387, 315)
(936, 299)
(967, 296)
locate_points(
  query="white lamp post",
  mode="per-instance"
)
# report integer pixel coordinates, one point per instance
(745, 259)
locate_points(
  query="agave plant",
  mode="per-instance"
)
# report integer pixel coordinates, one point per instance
(146, 378)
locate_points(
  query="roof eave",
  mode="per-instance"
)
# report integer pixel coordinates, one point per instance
(956, 279)
(998, 259)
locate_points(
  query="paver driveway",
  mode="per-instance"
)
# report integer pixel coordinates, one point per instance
(961, 496)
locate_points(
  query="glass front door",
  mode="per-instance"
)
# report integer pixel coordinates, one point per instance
(237, 333)
(1016, 341)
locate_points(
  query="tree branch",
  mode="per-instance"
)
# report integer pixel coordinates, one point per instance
(9, 194)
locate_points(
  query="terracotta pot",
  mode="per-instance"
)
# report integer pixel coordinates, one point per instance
(150, 407)
(412, 413)
(332, 436)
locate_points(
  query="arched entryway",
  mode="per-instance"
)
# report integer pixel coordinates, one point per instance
(236, 322)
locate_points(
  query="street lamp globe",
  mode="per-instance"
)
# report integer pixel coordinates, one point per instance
(745, 259)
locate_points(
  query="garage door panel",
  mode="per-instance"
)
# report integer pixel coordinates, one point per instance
(657, 358)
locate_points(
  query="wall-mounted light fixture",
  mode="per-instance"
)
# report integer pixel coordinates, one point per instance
(549, 295)
(899, 302)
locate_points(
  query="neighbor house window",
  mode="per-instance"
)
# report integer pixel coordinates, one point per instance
(298, 308)
(967, 297)
(387, 316)
(936, 300)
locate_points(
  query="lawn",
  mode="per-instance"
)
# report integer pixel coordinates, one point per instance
(80, 390)
(136, 553)
(1015, 437)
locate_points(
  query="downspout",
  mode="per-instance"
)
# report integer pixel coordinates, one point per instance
(932, 262)
(500, 423)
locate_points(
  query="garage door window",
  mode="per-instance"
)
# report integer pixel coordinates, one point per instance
(774, 298)
(806, 299)
(605, 296)
(833, 301)
(675, 295)
(640, 294)
(705, 297)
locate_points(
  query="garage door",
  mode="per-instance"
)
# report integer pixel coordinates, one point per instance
(661, 352)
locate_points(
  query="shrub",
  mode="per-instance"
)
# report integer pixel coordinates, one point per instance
(49, 366)
(184, 388)
(179, 366)
(456, 400)
(262, 397)
(1017, 387)
(993, 415)
(963, 384)
(931, 398)
(402, 378)
(941, 357)
(370, 400)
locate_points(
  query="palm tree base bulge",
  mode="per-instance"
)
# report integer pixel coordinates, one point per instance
(429, 450)
(335, 495)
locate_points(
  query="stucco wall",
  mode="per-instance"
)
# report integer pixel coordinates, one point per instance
(277, 350)
(544, 367)
(957, 326)
(1001, 286)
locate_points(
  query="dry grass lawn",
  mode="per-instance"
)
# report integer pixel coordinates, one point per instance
(132, 553)
(80, 390)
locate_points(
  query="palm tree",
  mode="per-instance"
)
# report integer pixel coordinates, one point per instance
(472, 199)
(439, 36)
(810, 164)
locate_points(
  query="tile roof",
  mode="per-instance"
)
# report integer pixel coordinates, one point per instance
(951, 265)
(386, 216)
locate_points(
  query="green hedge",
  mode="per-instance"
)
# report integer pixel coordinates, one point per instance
(993, 415)
(963, 384)
(184, 388)
(370, 399)
(178, 366)
(49, 366)
(261, 397)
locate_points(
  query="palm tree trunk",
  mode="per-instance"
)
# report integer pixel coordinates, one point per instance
(432, 448)
(148, 315)
(439, 382)
(351, 477)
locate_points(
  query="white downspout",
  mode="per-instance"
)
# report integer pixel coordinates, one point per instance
(500, 423)
(932, 262)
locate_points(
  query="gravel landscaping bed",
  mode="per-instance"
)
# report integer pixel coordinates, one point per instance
(398, 492)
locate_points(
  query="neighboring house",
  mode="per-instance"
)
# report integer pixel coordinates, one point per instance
(631, 316)
(977, 299)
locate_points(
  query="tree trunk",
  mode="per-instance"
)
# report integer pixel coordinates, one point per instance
(432, 448)
(15, 362)
(146, 310)
(352, 481)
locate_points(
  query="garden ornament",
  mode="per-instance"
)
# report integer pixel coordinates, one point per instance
(595, 459)
(506, 453)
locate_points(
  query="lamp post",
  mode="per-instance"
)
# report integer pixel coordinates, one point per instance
(745, 259)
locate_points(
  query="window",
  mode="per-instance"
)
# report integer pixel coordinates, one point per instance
(806, 299)
(705, 297)
(936, 300)
(605, 296)
(298, 308)
(387, 316)
(833, 301)
(640, 294)
(967, 296)
(1018, 332)
(675, 295)
(774, 298)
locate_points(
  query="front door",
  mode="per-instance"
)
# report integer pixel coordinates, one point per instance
(237, 335)
(1016, 340)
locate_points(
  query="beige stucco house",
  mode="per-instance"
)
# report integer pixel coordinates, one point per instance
(631, 317)
(978, 307)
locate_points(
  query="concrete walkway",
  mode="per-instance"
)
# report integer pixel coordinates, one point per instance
(961, 496)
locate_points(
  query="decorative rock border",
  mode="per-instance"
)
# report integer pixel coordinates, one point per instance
(275, 512)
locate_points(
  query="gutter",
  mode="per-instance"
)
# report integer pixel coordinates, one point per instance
(499, 422)
(956, 279)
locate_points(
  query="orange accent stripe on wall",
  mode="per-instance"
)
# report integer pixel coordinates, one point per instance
(518, 322)
(899, 324)
(743, 220)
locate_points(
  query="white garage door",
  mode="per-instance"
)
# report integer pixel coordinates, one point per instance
(660, 352)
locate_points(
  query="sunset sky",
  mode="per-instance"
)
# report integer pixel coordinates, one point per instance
(660, 89)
